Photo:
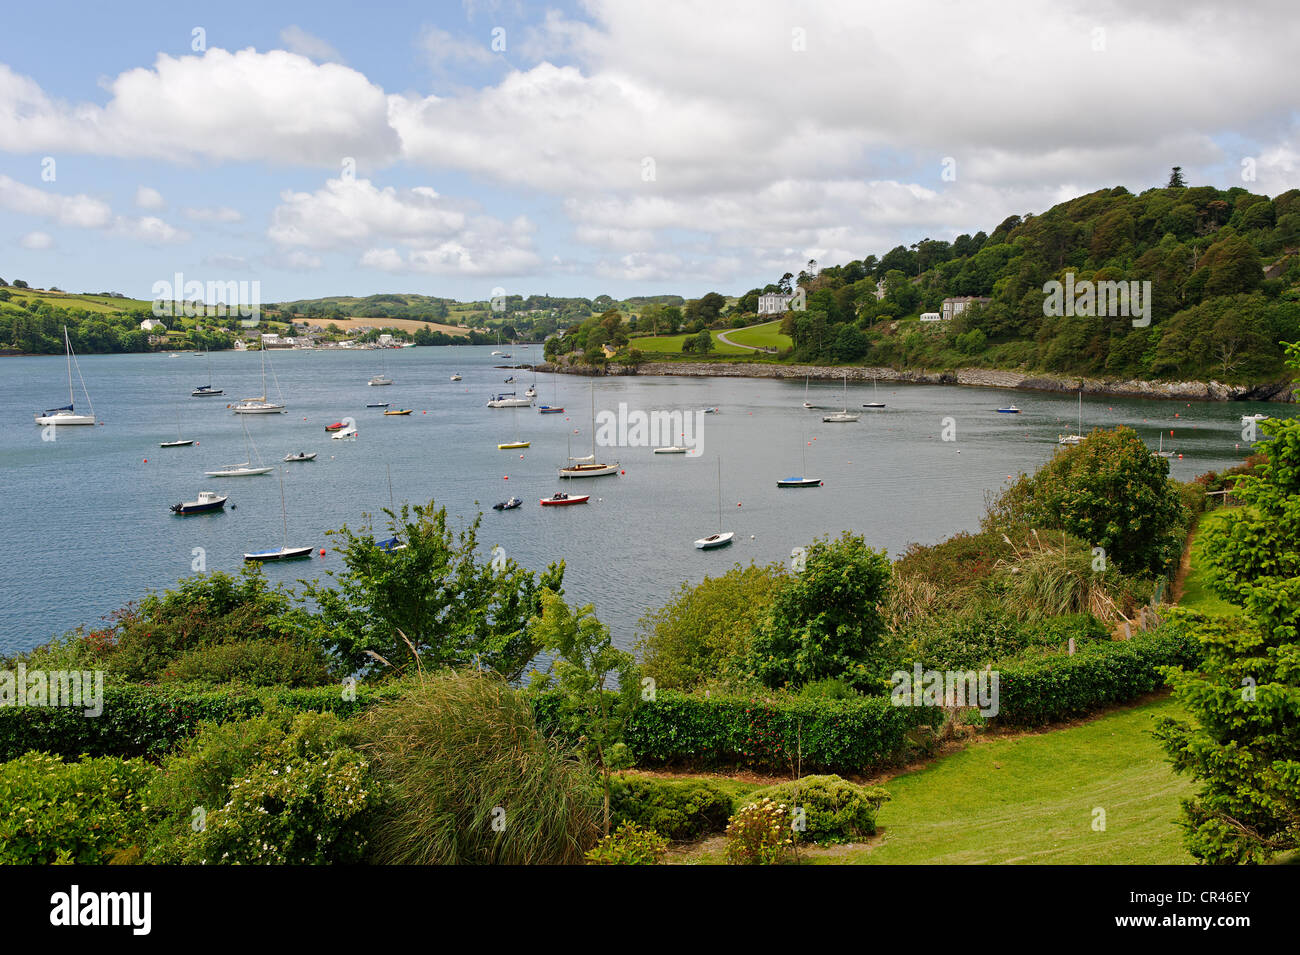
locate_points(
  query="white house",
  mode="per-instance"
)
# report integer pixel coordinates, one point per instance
(152, 325)
(774, 303)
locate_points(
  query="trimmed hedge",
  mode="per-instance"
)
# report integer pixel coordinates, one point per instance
(841, 736)
(148, 721)
(1047, 689)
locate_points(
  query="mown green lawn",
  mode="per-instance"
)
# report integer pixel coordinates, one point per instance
(1032, 800)
(761, 336)
(672, 344)
(1196, 590)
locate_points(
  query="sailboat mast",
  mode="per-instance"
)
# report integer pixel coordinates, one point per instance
(719, 495)
(284, 516)
(593, 422)
(67, 353)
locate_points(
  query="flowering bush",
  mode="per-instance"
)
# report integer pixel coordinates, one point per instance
(760, 834)
(628, 845)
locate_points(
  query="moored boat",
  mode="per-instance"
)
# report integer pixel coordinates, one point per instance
(301, 456)
(207, 501)
(562, 500)
(68, 413)
(509, 505)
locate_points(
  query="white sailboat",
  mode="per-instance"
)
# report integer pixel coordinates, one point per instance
(244, 468)
(68, 413)
(381, 378)
(284, 551)
(721, 538)
(1077, 437)
(588, 466)
(260, 405)
(806, 403)
(873, 403)
(843, 416)
(179, 442)
(1160, 452)
(798, 480)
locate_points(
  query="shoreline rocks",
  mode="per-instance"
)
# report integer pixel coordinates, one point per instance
(1282, 391)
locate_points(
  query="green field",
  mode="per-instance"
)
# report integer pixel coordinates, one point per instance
(91, 303)
(761, 336)
(1196, 590)
(672, 344)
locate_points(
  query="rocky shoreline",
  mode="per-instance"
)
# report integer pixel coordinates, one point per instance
(978, 377)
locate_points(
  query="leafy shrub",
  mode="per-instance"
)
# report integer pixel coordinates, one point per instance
(679, 809)
(471, 780)
(834, 809)
(844, 736)
(1057, 631)
(829, 689)
(704, 632)
(970, 638)
(256, 662)
(760, 834)
(148, 721)
(629, 844)
(281, 788)
(70, 812)
(1042, 689)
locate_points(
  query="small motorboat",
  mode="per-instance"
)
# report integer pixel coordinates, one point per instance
(378, 404)
(336, 426)
(511, 445)
(301, 456)
(714, 540)
(1009, 409)
(380, 380)
(672, 449)
(561, 500)
(547, 409)
(208, 501)
(345, 433)
(398, 411)
(455, 378)
(874, 404)
(799, 482)
(509, 505)
(206, 391)
(390, 544)
(176, 444)
(1247, 418)
(710, 410)
(279, 553)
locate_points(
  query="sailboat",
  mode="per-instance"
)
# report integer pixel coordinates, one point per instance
(586, 467)
(532, 389)
(68, 414)
(555, 391)
(179, 442)
(207, 391)
(260, 405)
(284, 551)
(799, 481)
(1076, 438)
(245, 468)
(806, 403)
(390, 544)
(1160, 452)
(874, 392)
(721, 538)
(843, 416)
(508, 399)
(516, 443)
(381, 378)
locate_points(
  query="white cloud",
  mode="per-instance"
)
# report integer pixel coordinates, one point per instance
(347, 211)
(444, 49)
(149, 229)
(297, 40)
(80, 210)
(275, 106)
(146, 198)
(37, 241)
(212, 214)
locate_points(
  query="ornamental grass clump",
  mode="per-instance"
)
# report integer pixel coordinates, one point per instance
(761, 833)
(469, 779)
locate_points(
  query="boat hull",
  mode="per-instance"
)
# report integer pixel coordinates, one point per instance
(280, 553)
(714, 540)
(397, 414)
(258, 409)
(207, 394)
(64, 419)
(545, 409)
(199, 507)
(589, 471)
(564, 501)
(239, 472)
(304, 457)
(511, 445)
(799, 482)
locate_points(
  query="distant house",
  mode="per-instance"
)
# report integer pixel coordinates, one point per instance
(152, 325)
(931, 317)
(609, 350)
(952, 307)
(774, 303)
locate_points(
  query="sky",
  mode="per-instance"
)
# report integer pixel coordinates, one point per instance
(599, 147)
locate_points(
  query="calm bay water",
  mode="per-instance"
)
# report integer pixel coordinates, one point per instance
(86, 525)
